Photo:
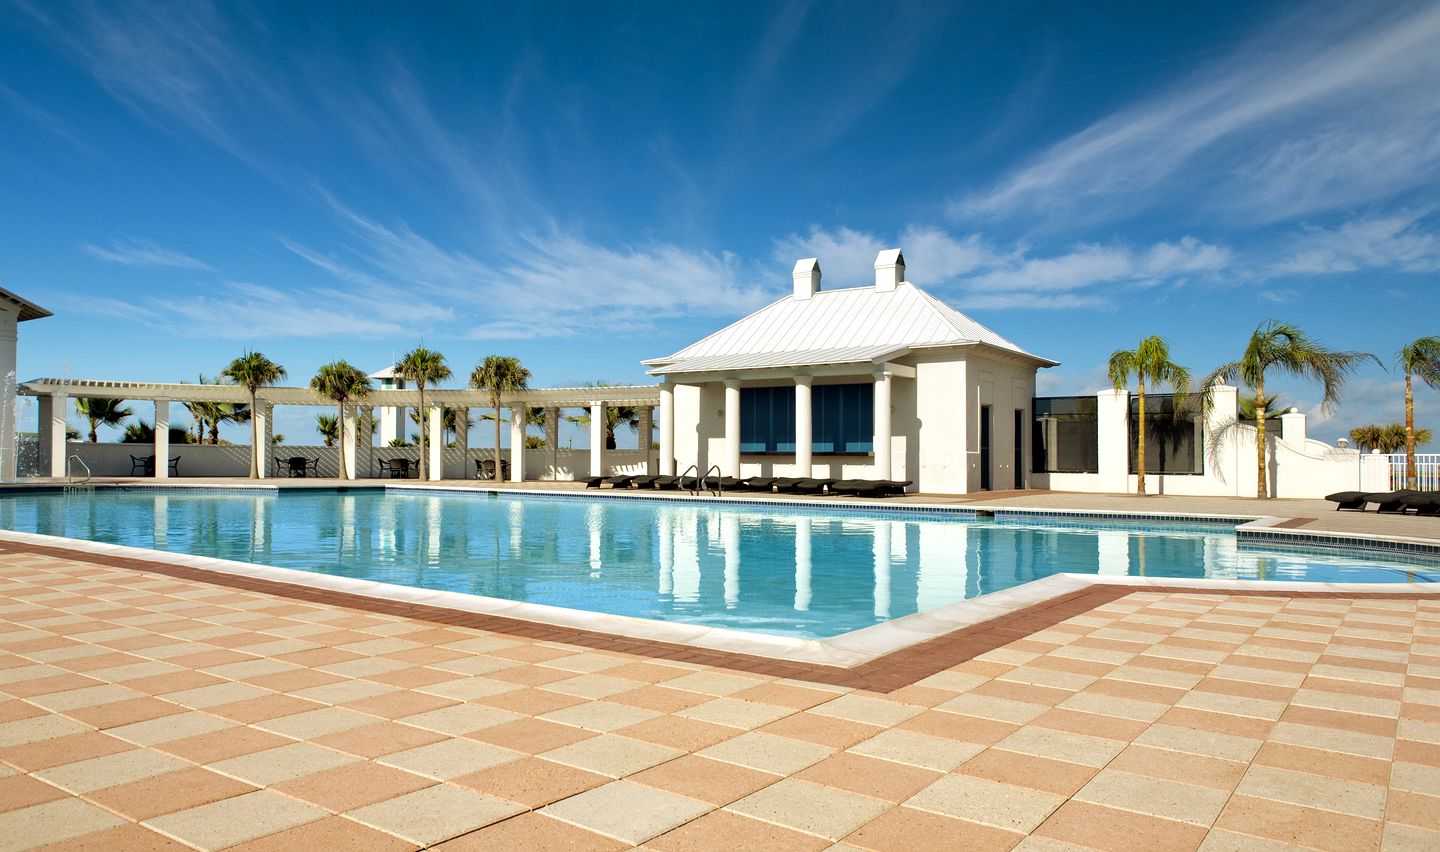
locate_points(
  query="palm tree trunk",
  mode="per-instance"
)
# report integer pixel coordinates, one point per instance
(495, 400)
(1140, 441)
(423, 419)
(254, 439)
(1262, 489)
(95, 439)
(1409, 433)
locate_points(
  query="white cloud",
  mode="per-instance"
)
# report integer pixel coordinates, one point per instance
(1325, 109)
(1396, 242)
(142, 253)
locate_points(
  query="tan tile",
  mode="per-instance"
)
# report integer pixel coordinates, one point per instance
(995, 709)
(747, 715)
(22, 791)
(265, 707)
(916, 749)
(768, 753)
(1062, 745)
(379, 739)
(1154, 797)
(347, 691)
(217, 695)
(97, 772)
(879, 779)
(235, 820)
(169, 728)
(821, 730)
(434, 814)
(627, 811)
(714, 683)
(1364, 770)
(128, 837)
(397, 703)
(612, 755)
(221, 744)
(315, 723)
(351, 786)
(814, 809)
(1004, 806)
(51, 822)
(1192, 741)
(1303, 788)
(531, 736)
(868, 710)
(1025, 770)
(329, 833)
(163, 794)
(531, 781)
(600, 716)
(661, 699)
(739, 832)
(591, 686)
(1179, 766)
(44, 754)
(909, 830)
(450, 758)
(271, 766)
(531, 831)
(1297, 825)
(678, 732)
(708, 780)
(459, 719)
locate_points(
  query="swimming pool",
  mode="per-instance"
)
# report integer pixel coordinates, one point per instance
(781, 570)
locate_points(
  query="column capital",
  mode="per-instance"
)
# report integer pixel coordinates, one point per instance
(732, 383)
(805, 380)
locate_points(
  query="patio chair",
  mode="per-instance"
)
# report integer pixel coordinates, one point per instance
(485, 469)
(142, 465)
(398, 468)
(1353, 501)
(297, 466)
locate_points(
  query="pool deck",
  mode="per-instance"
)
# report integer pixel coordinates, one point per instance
(144, 706)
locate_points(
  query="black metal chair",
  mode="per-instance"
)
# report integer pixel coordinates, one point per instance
(485, 469)
(398, 468)
(297, 466)
(145, 466)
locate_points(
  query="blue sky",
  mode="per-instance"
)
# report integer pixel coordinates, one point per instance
(586, 185)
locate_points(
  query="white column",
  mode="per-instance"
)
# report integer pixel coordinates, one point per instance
(462, 440)
(1292, 428)
(517, 443)
(8, 399)
(597, 439)
(647, 432)
(349, 439)
(552, 439)
(265, 412)
(730, 465)
(883, 380)
(365, 443)
(804, 439)
(667, 429)
(162, 439)
(1112, 414)
(436, 444)
(52, 432)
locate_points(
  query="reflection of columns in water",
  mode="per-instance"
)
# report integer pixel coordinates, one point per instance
(516, 520)
(665, 525)
(594, 520)
(385, 529)
(943, 566)
(346, 538)
(802, 564)
(1222, 556)
(882, 569)
(730, 540)
(1113, 547)
(260, 528)
(687, 555)
(160, 521)
(431, 555)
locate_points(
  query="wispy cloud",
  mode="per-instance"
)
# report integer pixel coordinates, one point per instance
(1321, 111)
(142, 253)
(1398, 242)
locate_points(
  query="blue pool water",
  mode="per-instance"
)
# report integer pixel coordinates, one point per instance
(780, 570)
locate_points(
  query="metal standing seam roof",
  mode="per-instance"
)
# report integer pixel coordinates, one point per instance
(834, 326)
(28, 309)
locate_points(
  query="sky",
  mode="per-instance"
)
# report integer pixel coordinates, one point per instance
(586, 185)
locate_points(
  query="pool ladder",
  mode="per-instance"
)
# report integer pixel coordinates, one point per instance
(70, 483)
(700, 478)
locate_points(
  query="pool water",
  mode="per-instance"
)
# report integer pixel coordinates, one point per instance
(780, 570)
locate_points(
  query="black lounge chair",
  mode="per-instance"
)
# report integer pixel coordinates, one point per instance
(1392, 502)
(785, 483)
(297, 466)
(1353, 501)
(612, 481)
(861, 487)
(725, 483)
(809, 486)
(644, 483)
(667, 483)
(1425, 504)
(897, 487)
(753, 483)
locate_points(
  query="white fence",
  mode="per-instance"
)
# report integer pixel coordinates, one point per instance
(1427, 471)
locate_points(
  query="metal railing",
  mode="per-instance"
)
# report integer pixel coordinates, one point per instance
(697, 482)
(1427, 471)
(70, 471)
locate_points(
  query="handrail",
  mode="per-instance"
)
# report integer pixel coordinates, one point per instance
(695, 469)
(69, 470)
(718, 489)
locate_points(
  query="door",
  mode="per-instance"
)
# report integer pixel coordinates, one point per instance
(1019, 448)
(985, 448)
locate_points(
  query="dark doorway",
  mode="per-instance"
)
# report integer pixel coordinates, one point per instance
(1019, 448)
(985, 429)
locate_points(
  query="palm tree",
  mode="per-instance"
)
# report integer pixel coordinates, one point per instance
(1151, 360)
(1395, 437)
(329, 429)
(1367, 437)
(615, 417)
(1283, 347)
(1420, 358)
(254, 371)
(342, 382)
(422, 367)
(451, 422)
(498, 375)
(1273, 407)
(101, 412)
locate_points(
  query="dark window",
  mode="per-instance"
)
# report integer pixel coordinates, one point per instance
(1174, 441)
(1065, 436)
(841, 419)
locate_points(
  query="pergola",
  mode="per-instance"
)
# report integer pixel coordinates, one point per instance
(53, 395)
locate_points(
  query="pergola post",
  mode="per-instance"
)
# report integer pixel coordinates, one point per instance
(552, 439)
(731, 466)
(349, 439)
(265, 419)
(597, 439)
(667, 429)
(517, 443)
(883, 380)
(436, 447)
(462, 439)
(52, 431)
(647, 430)
(365, 442)
(804, 439)
(162, 439)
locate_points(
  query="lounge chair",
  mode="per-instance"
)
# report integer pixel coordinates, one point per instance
(753, 483)
(1392, 502)
(897, 487)
(1353, 501)
(809, 486)
(612, 481)
(667, 483)
(725, 483)
(645, 483)
(785, 483)
(861, 487)
(1425, 504)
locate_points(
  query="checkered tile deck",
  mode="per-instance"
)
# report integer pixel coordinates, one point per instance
(139, 710)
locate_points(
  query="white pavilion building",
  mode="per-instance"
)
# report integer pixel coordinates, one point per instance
(883, 381)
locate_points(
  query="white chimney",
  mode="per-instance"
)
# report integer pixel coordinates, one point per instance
(807, 277)
(889, 269)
